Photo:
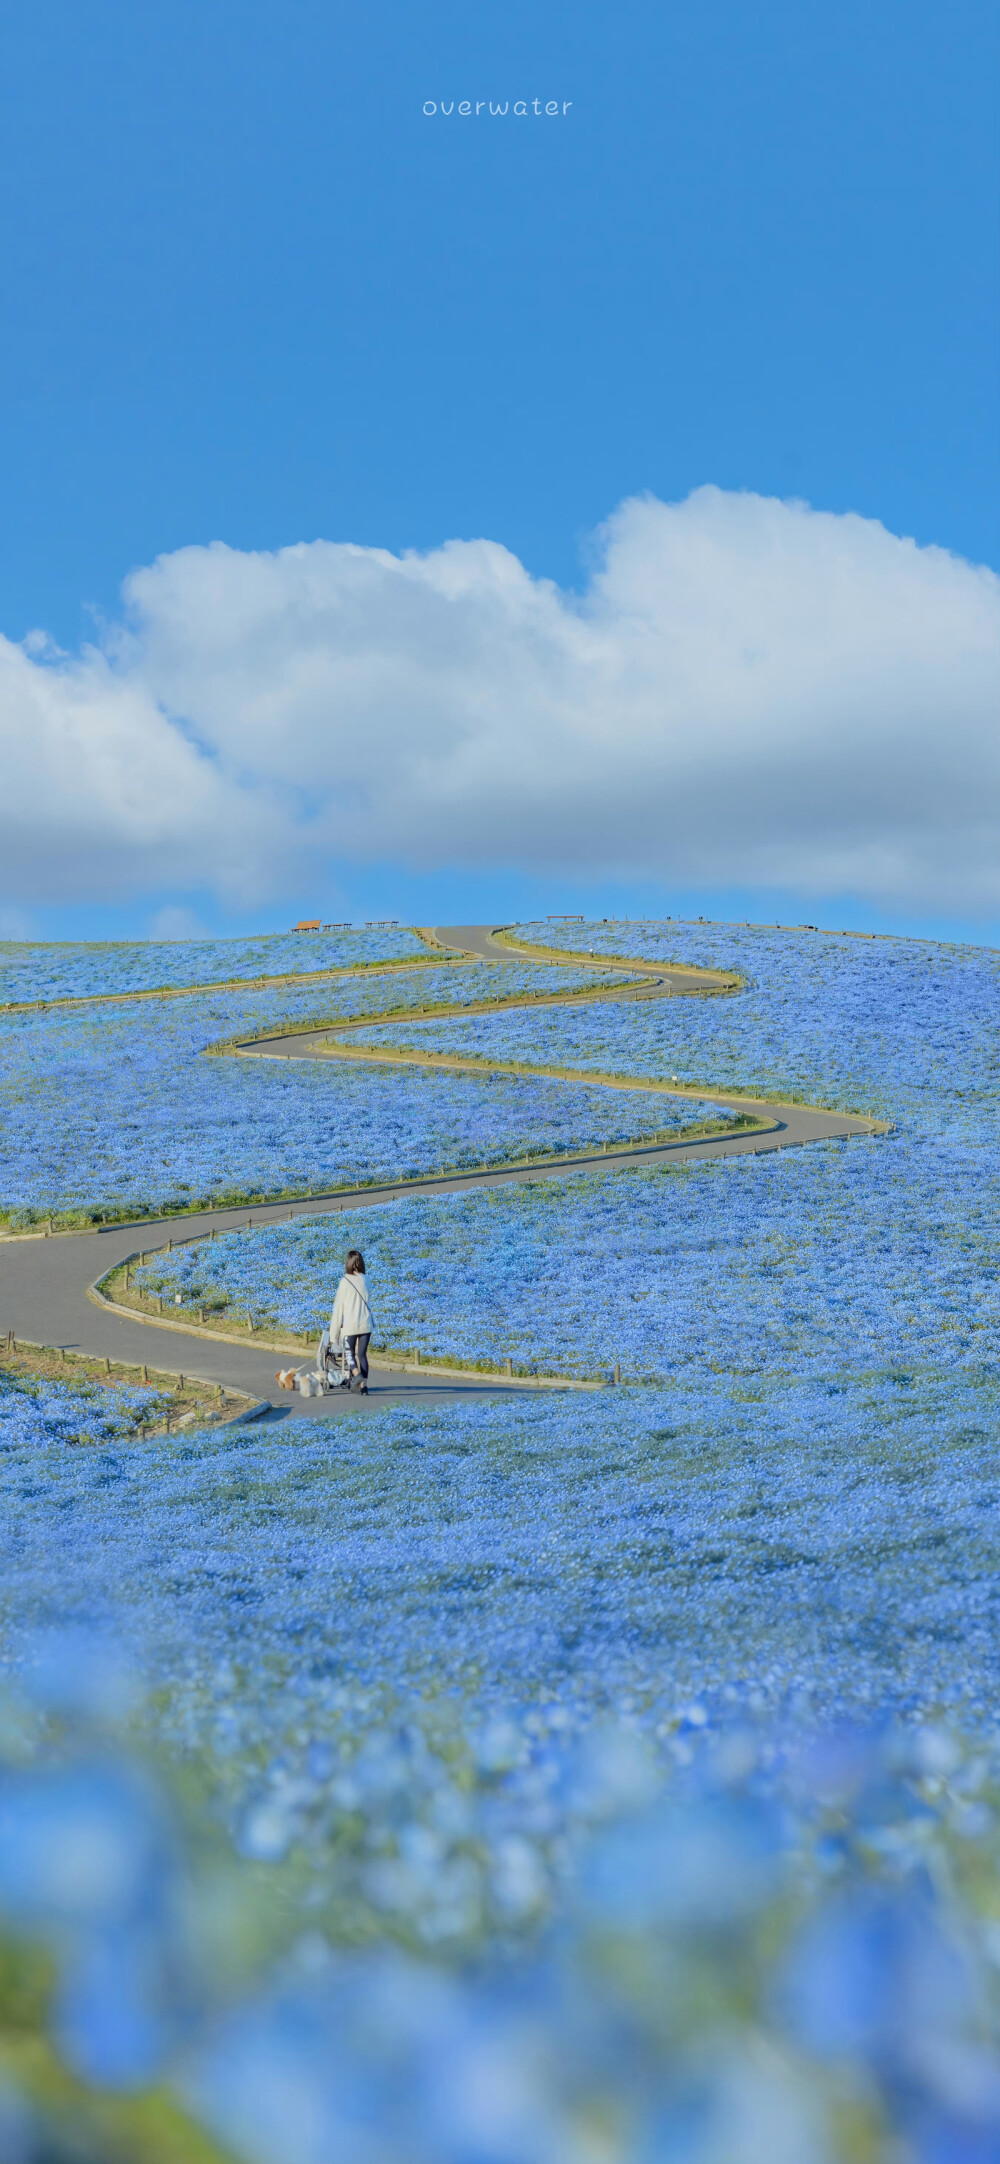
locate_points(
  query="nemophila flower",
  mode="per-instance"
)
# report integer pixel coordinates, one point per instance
(37, 1414)
(71, 968)
(116, 1107)
(643, 1740)
(844, 1257)
(705, 1867)
(864, 1252)
(87, 1865)
(686, 1980)
(902, 1028)
(661, 1547)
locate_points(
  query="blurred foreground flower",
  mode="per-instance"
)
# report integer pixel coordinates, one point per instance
(783, 1951)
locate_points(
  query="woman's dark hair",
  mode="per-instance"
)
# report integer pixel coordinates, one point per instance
(355, 1263)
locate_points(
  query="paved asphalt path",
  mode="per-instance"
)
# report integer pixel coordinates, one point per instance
(479, 940)
(44, 1283)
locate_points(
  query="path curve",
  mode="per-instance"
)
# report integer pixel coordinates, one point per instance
(45, 1283)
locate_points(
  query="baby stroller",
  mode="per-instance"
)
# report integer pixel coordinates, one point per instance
(335, 1363)
(333, 1369)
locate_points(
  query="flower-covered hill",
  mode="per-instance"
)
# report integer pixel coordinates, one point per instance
(492, 1882)
(840, 1257)
(609, 1773)
(757, 1546)
(907, 1029)
(117, 1110)
(835, 1259)
(71, 969)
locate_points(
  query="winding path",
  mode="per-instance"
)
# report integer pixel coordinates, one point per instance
(46, 1283)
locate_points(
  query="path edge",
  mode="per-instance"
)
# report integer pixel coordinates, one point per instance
(384, 1361)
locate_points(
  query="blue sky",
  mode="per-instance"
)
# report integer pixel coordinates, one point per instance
(255, 294)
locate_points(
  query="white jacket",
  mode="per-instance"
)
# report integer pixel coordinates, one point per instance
(351, 1309)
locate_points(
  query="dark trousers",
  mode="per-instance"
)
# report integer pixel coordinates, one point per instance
(358, 1349)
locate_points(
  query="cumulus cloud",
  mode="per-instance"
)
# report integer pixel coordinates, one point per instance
(104, 793)
(747, 692)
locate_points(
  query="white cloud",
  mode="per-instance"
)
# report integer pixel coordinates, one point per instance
(748, 692)
(103, 794)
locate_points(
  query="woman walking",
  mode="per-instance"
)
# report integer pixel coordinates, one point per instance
(351, 1322)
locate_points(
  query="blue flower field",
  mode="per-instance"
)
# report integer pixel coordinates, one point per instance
(606, 1775)
(526, 1728)
(68, 970)
(897, 1028)
(845, 1257)
(773, 1548)
(116, 1110)
(848, 1256)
